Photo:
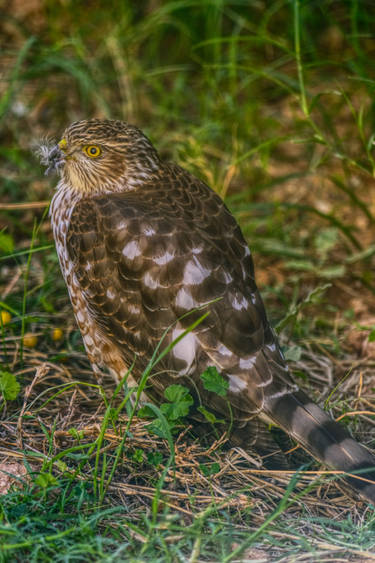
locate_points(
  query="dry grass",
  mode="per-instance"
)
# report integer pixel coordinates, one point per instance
(61, 410)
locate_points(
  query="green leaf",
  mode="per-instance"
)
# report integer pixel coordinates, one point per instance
(9, 385)
(181, 401)
(146, 412)
(210, 469)
(209, 415)
(138, 455)
(45, 480)
(175, 393)
(6, 243)
(371, 337)
(156, 427)
(174, 411)
(213, 381)
(155, 458)
(77, 434)
(293, 353)
(61, 465)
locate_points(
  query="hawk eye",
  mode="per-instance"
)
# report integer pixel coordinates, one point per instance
(92, 151)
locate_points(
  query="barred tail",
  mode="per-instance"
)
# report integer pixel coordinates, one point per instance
(324, 439)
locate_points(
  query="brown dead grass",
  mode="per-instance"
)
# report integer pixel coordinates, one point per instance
(240, 482)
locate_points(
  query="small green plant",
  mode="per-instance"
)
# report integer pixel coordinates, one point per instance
(179, 402)
(176, 408)
(155, 458)
(9, 386)
(209, 469)
(138, 455)
(45, 480)
(213, 381)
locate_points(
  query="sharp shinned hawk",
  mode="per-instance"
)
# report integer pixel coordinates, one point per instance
(142, 243)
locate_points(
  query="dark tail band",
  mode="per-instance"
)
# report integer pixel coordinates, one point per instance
(325, 439)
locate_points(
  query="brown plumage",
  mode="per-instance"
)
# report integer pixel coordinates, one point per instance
(141, 243)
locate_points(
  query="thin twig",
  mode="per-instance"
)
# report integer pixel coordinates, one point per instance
(23, 206)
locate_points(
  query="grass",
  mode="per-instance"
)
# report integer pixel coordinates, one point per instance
(272, 104)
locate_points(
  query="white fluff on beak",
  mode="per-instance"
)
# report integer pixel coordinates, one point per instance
(50, 155)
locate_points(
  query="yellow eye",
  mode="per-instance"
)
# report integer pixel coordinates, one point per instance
(93, 151)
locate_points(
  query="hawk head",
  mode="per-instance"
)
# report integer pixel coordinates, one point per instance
(97, 155)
